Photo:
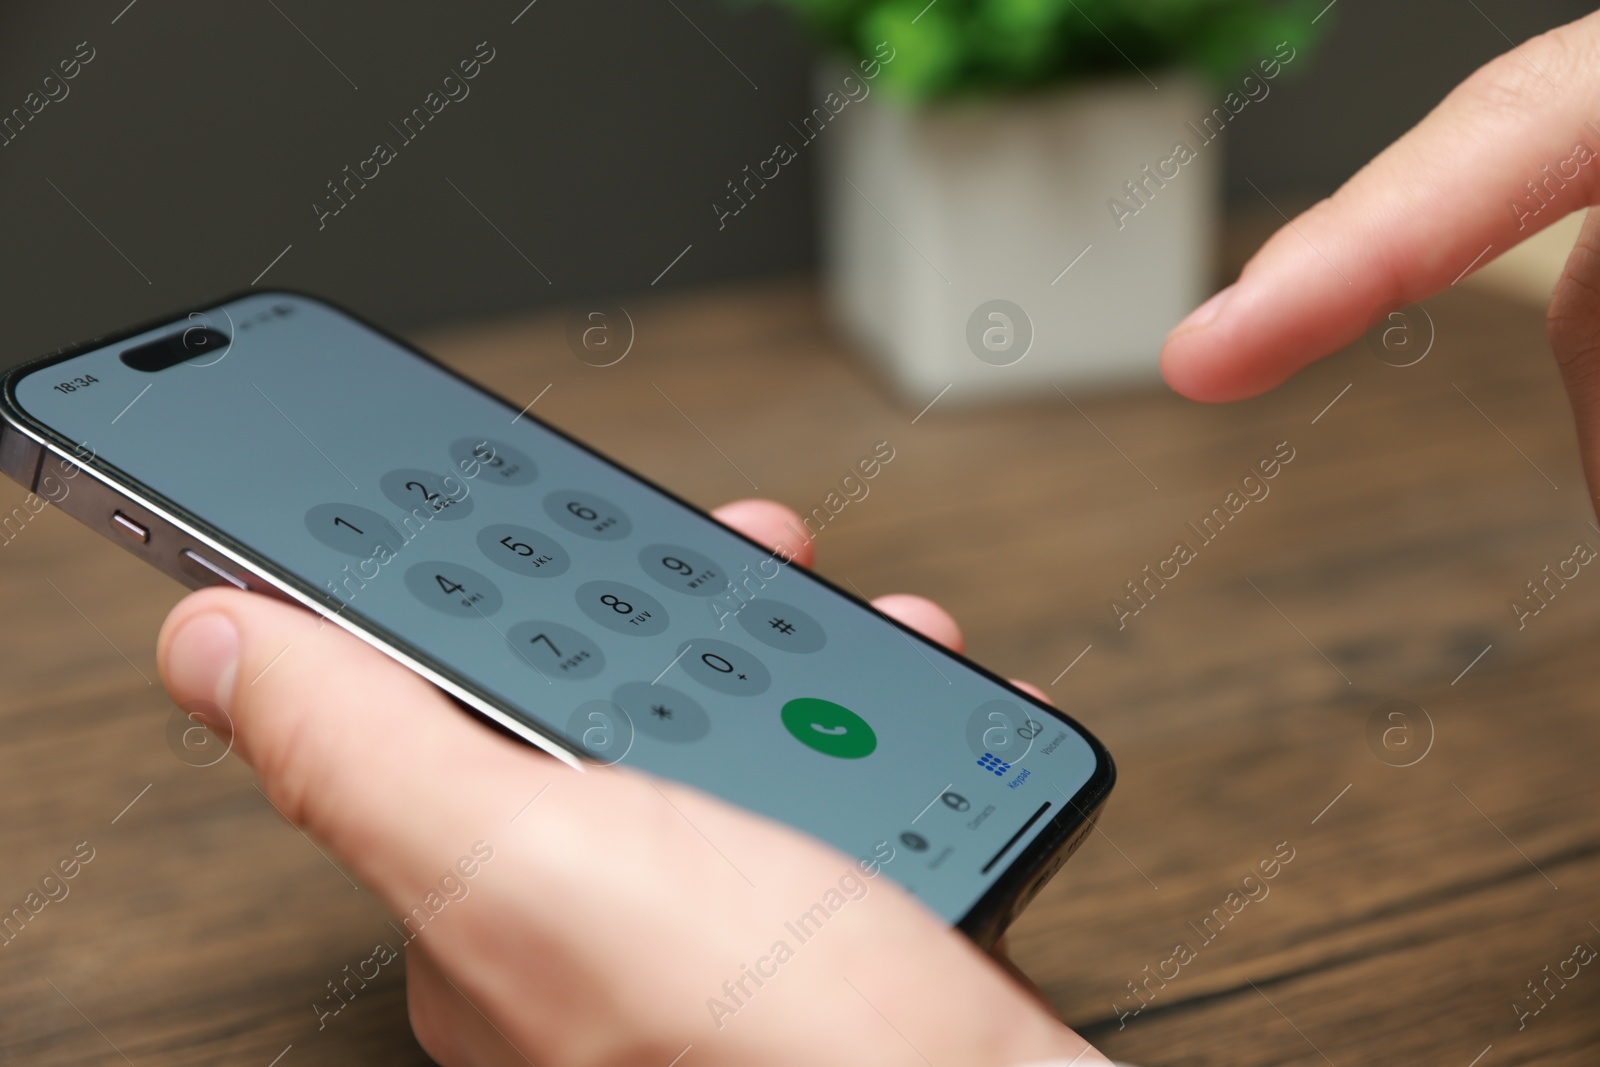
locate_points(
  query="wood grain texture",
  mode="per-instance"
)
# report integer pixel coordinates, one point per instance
(1236, 703)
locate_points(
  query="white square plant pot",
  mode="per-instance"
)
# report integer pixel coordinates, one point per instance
(980, 244)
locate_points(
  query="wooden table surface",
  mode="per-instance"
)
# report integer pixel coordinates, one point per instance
(1239, 703)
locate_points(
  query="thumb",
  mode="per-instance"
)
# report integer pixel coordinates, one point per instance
(1574, 328)
(367, 756)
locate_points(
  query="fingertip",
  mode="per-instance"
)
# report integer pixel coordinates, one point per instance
(1194, 360)
(1208, 312)
(203, 600)
(923, 616)
(1214, 356)
(1222, 362)
(1032, 690)
(1184, 373)
(1291, 306)
(770, 524)
(197, 652)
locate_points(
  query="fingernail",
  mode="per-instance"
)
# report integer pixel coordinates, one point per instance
(202, 661)
(1207, 312)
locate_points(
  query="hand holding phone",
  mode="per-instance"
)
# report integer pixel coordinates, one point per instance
(616, 912)
(455, 552)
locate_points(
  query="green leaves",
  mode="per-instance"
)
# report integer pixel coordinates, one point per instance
(953, 47)
(928, 51)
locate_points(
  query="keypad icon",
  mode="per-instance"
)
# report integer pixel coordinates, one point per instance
(991, 762)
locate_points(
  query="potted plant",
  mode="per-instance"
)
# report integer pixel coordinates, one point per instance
(1023, 192)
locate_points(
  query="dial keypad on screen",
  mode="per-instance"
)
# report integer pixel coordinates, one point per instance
(523, 550)
(497, 463)
(588, 515)
(683, 570)
(553, 553)
(622, 608)
(453, 589)
(355, 531)
(556, 650)
(427, 495)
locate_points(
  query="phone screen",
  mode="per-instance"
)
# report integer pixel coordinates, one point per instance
(576, 600)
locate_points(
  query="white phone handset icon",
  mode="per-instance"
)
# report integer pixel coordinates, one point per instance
(831, 731)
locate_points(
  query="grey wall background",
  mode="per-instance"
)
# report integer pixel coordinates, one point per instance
(594, 143)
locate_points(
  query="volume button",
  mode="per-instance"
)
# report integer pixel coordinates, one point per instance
(210, 573)
(129, 528)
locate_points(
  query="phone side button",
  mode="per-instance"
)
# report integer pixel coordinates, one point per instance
(129, 528)
(202, 569)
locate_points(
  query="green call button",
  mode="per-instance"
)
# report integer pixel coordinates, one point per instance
(831, 729)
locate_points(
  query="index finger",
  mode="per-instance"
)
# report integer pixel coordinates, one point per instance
(1511, 150)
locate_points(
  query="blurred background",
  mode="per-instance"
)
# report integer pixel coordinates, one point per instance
(1343, 672)
(199, 137)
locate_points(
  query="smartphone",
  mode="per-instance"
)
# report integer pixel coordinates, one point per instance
(276, 443)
